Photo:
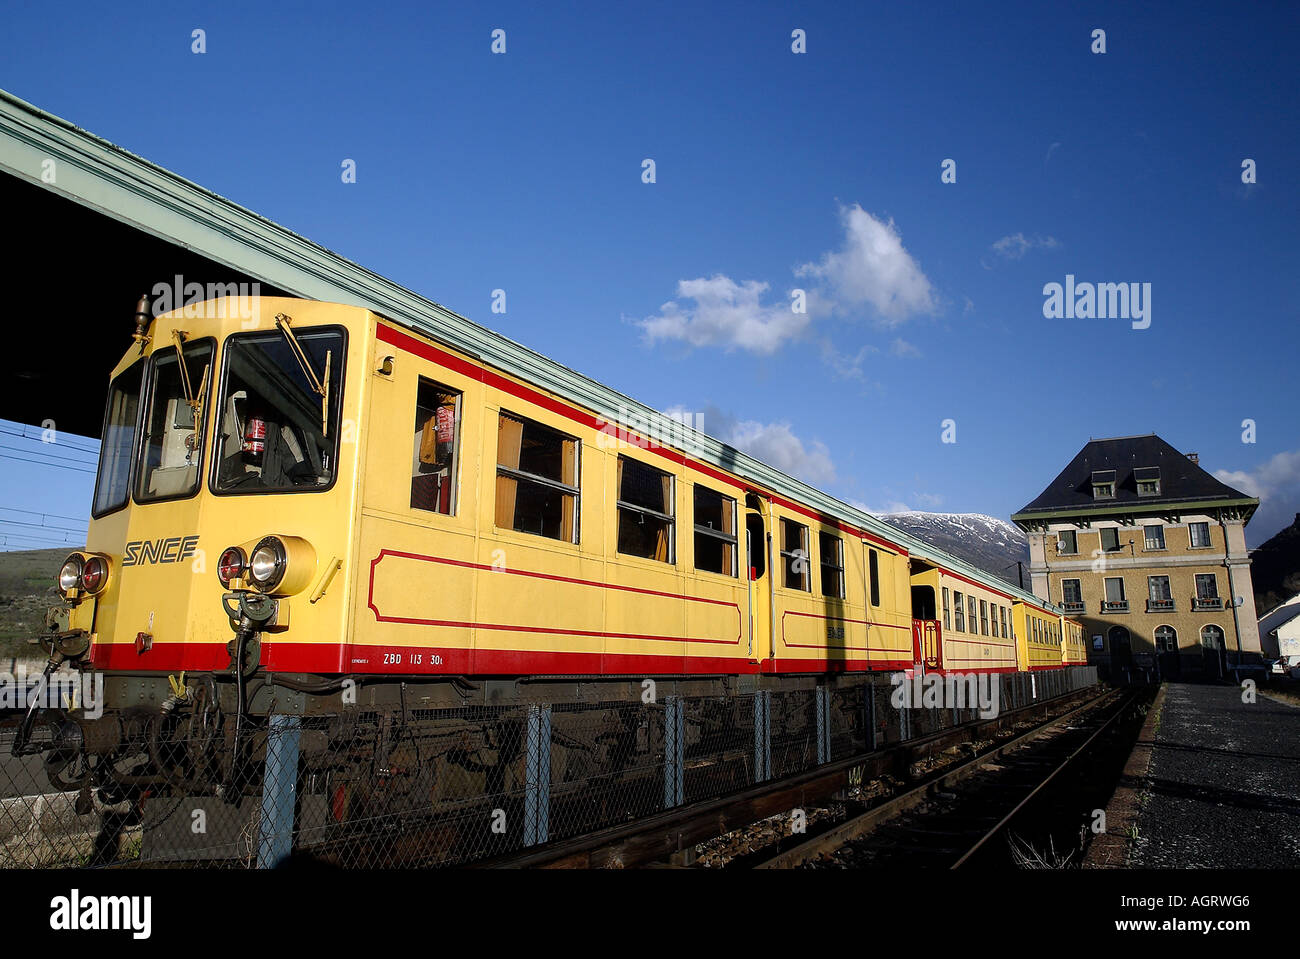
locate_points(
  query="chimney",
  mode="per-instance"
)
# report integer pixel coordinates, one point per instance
(1195, 458)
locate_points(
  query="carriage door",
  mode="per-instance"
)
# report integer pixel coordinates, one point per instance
(759, 578)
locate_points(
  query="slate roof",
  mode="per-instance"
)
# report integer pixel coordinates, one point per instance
(1181, 480)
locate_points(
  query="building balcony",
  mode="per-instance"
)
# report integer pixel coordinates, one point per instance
(1206, 603)
(1114, 605)
(1160, 605)
(1078, 607)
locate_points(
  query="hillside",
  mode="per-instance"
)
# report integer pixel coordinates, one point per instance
(989, 543)
(26, 591)
(1275, 568)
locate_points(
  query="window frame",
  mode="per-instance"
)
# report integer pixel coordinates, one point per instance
(1113, 531)
(1146, 538)
(337, 380)
(786, 555)
(1191, 540)
(947, 609)
(453, 474)
(959, 616)
(205, 390)
(1078, 588)
(621, 504)
(131, 457)
(823, 565)
(711, 533)
(563, 488)
(873, 578)
(1074, 540)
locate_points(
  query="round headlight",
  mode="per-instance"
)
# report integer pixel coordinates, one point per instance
(231, 565)
(267, 564)
(70, 574)
(94, 574)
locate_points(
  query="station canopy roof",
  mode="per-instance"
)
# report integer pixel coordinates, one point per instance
(111, 225)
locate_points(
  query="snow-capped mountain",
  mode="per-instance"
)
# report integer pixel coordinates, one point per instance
(990, 543)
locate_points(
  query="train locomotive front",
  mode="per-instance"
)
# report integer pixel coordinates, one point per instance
(221, 514)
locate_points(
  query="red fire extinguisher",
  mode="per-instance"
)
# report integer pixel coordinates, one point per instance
(254, 444)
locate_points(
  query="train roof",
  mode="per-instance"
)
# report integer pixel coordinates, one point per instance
(130, 189)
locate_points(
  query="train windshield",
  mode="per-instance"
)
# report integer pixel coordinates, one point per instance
(114, 480)
(279, 411)
(174, 421)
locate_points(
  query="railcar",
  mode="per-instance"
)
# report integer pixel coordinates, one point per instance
(307, 506)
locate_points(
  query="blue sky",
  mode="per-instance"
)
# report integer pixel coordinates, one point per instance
(773, 171)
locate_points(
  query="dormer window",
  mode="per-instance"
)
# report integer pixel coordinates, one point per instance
(1148, 480)
(1103, 484)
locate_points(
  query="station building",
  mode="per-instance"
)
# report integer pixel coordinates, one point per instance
(1148, 551)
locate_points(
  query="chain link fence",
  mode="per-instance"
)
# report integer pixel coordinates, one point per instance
(435, 787)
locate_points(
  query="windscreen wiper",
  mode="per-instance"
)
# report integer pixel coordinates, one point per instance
(323, 388)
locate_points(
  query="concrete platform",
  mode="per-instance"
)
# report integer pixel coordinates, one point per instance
(1222, 783)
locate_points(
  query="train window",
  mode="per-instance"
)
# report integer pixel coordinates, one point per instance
(873, 569)
(715, 532)
(984, 617)
(433, 462)
(831, 548)
(279, 411)
(1002, 610)
(120, 423)
(959, 612)
(645, 511)
(947, 612)
(794, 554)
(537, 479)
(173, 421)
(970, 613)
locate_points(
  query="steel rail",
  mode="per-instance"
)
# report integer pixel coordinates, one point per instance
(866, 822)
(662, 835)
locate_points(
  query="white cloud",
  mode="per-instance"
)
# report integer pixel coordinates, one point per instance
(1015, 246)
(774, 443)
(874, 269)
(843, 365)
(1276, 482)
(900, 347)
(871, 270)
(725, 313)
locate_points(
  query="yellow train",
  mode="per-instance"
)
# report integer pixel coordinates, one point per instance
(307, 502)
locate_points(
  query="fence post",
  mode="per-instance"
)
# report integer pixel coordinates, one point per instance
(279, 791)
(674, 751)
(822, 703)
(762, 735)
(869, 694)
(537, 797)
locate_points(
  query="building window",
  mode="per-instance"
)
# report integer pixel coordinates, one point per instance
(1071, 593)
(715, 532)
(959, 611)
(1115, 600)
(1003, 611)
(1207, 592)
(832, 560)
(1166, 639)
(1158, 594)
(1212, 637)
(984, 617)
(1103, 484)
(646, 525)
(947, 612)
(794, 554)
(537, 479)
(873, 574)
(1110, 539)
(1067, 542)
(1155, 537)
(1198, 535)
(433, 464)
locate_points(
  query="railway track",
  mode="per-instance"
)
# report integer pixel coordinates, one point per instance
(965, 814)
(674, 836)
